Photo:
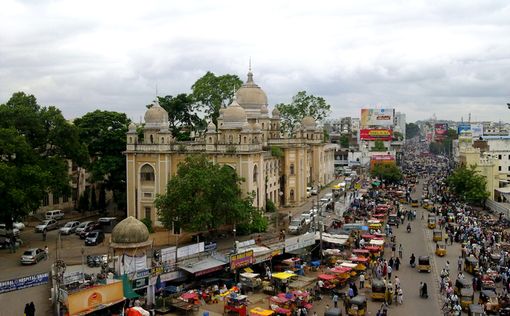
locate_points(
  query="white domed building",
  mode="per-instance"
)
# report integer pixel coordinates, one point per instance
(245, 139)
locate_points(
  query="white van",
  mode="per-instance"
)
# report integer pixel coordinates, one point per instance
(55, 214)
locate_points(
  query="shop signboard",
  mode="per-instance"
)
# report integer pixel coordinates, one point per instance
(298, 242)
(210, 247)
(377, 117)
(190, 250)
(376, 134)
(168, 254)
(72, 277)
(241, 260)
(94, 298)
(24, 282)
(440, 131)
(462, 127)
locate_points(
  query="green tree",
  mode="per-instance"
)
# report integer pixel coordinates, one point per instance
(212, 92)
(412, 130)
(182, 115)
(302, 105)
(202, 196)
(468, 184)
(36, 144)
(387, 172)
(398, 136)
(378, 146)
(104, 134)
(344, 141)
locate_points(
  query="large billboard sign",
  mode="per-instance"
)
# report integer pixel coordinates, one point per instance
(477, 130)
(463, 127)
(440, 131)
(377, 117)
(376, 134)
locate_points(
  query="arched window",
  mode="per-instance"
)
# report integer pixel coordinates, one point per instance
(230, 139)
(244, 140)
(292, 195)
(147, 173)
(152, 139)
(162, 140)
(255, 173)
(210, 139)
(291, 169)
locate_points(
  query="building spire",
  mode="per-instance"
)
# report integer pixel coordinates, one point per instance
(250, 74)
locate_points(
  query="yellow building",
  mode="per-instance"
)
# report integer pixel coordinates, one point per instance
(486, 166)
(275, 167)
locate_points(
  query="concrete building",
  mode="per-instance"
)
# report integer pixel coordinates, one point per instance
(275, 167)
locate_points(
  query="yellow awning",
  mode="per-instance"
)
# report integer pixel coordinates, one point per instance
(283, 275)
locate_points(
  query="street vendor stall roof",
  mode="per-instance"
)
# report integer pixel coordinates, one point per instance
(377, 242)
(283, 275)
(326, 277)
(257, 250)
(204, 265)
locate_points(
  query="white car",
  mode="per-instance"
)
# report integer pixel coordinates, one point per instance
(314, 191)
(69, 227)
(4, 231)
(19, 225)
(297, 226)
(308, 217)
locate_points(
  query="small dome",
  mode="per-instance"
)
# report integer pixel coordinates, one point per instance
(211, 127)
(234, 116)
(276, 113)
(308, 122)
(130, 231)
(264, 109)
(250, 95)
(156, 116)
(132, 127)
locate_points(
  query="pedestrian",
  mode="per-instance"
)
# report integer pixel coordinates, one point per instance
(446, 240)
(27, 309)
(362, 281)
(47, 252)
(44, 234)
(389, 272)
(459, 263)
(400, 296)
(397, 263)
(400, 250)
(335, 300)
(31, 310)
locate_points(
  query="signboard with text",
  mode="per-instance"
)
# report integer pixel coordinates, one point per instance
(376, 134)
(376, 117)
(440, 131)
(24, 282)
(298, 242)
(241, 260)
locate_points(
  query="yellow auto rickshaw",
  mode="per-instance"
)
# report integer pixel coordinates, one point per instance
(466, 298)
(431, 222)
(415, 203)
(471, 265)
(378, 289)
(462, 284)
(476, 310)
(437, 235)
(357, 306)
(423, 264)
(440, 250)
(489, 300)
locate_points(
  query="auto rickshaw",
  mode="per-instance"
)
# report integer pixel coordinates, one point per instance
(378, 289)
(440, 250)
(415, 203)
(333, 312)
(431, 222)
(466, 298)
(471, 265)
(437, 235)
(476, 310)
(489, 300)
(357, 306)
(462, 284)
(423, 263)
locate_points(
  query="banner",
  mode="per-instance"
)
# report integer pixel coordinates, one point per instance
(298, 242)
(440, 131)
(376, 117)
(241, 260)
(477, 130)
(95, 298)
(376, 134)
(24, 282)
(463, 127)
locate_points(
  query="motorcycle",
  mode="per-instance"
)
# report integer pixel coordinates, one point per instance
(408, 228)
(412, 261)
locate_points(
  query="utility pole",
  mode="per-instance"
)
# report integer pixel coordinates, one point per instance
(320, 228)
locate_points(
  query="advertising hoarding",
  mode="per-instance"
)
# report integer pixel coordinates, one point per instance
(477, 130)
(377, 117)
(95, 298)
(376, 134)
(463, 127)
(24, 282)
(241, 260)
(440, 131)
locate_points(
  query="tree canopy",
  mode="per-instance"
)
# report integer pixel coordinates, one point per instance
(203, 196)
(212, 92)
(302, 105)
(387, 172)
(412, 130)
(344, 141)
(104, 134)
(35, 146)
(182, 115)
(468, 184)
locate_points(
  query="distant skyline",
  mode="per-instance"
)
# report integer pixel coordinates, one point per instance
(446, 57)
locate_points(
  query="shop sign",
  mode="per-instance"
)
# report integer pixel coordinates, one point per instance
(141, 274)
(168, 254)
(157, 270)
(190, 250)
(174, 275)
(241, 260)
(276, 252)
(299, 242)
(211, 247)
(24, 282)
(140, 283)
(94, 298)
(72, 277)
(376, 134)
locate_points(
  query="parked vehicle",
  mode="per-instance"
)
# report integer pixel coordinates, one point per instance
(297, 226)
(69, 227)
(308, 217)
(46, 225)
(91, 227)
(314, 191)
(308, 191)
(32, 256)
(107, 223)
(94, 238)
(7, 232)
(82, 226)
(56, 214)
(18, 225)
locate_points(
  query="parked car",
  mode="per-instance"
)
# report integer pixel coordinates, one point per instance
(32, 256)
(18, 225)
(308, 217)
(82, 226)
(94, 238)
(69, 227)
(91, 227)
(55, 214)
(7, 232)
(297, 226)
(46, 225)
(314, 191)
(327, 203)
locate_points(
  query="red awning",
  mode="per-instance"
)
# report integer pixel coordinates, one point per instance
(326, 277)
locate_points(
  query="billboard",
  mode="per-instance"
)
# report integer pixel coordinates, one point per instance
(440, 131)
(377, 117)
(24, 282)
(376, 134)
(94, 298)
(477, 130)
(463, 127)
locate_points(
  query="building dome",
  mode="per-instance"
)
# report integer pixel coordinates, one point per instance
(250, 96)
(275, 113)
(132, 127)
(130, 231)
(308, 122)
(156, 116)
(234, 116)
(211, 127)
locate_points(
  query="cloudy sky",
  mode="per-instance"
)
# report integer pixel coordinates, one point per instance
(445, 57)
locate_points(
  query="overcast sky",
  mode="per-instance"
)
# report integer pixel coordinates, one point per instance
(450, 58)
